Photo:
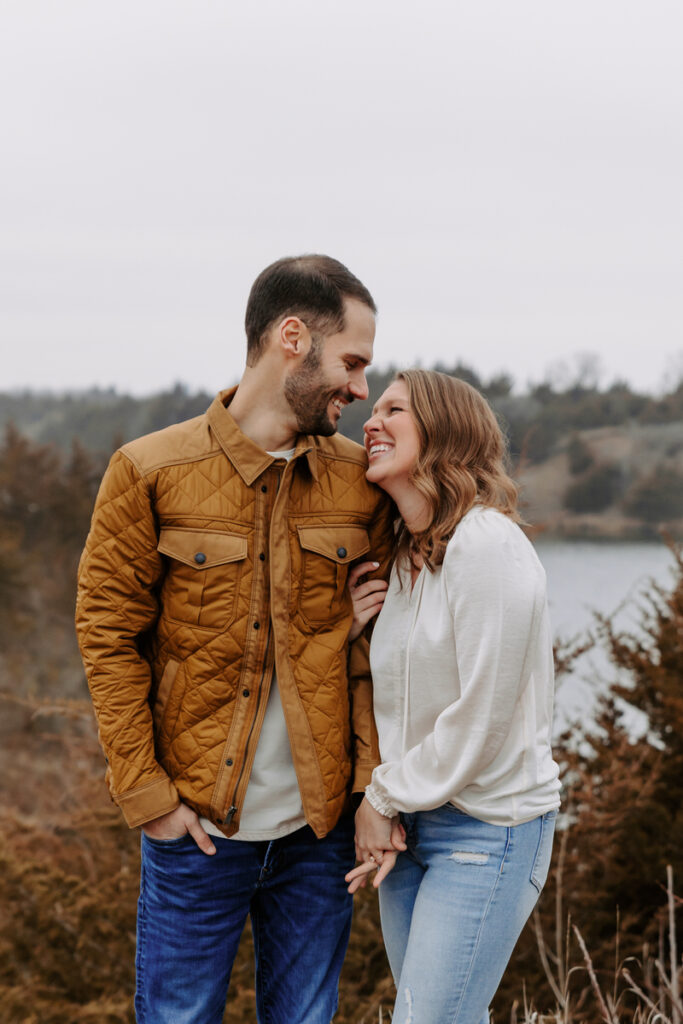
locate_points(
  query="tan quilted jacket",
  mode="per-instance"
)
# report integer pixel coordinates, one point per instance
(208, 563)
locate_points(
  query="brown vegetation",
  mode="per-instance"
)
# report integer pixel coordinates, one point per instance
(68, 871)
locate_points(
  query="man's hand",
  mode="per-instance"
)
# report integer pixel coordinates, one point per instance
(178, 823)
(367, 597)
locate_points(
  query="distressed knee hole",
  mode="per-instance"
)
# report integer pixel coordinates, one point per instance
(409, 1004)
(468, 857)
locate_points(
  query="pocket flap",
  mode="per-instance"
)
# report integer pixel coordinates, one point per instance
(342, 544)
(202, 549)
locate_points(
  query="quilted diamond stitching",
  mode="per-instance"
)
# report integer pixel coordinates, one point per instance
(214, 493)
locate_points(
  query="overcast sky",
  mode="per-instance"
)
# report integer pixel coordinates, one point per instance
(504, 175)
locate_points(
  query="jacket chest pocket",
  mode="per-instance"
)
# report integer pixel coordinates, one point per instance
(202, 581)
(326, 553)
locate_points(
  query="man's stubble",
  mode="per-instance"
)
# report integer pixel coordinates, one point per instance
(309, 393)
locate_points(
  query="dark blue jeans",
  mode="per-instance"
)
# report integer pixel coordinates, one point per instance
(193, 908)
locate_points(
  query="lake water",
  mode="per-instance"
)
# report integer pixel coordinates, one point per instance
(584, 578)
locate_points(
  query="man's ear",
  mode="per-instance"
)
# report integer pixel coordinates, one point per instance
(294, 337)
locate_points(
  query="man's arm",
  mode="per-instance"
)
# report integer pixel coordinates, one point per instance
(118, 573)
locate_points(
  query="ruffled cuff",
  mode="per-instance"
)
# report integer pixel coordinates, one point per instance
(379, 802)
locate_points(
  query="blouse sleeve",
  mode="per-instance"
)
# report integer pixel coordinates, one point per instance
(496, 595)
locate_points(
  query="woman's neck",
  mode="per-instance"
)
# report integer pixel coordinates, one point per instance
(413, 509)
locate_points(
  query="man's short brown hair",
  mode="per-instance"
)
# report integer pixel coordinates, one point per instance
(312, 287)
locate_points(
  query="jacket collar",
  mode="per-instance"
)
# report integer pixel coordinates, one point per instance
(246, 456)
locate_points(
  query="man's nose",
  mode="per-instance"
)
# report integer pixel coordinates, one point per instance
(358, 386)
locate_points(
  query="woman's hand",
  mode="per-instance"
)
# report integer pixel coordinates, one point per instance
(378, 840)
(367, 597)
(359, 876)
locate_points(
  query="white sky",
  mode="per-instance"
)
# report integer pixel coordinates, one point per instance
(504, 175)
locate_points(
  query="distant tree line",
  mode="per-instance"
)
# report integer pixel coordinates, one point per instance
(535, 420)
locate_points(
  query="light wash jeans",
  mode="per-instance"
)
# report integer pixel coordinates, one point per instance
(453, 907)
(192, 911)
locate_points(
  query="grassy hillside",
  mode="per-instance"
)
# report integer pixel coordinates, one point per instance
(628, 485)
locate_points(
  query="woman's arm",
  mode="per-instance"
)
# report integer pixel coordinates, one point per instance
(496, 595)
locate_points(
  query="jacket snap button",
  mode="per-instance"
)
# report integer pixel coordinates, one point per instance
(264, 488)
(341, 552)
(245, 693)
(262, 557)
(229, 762)
(200, 558)
(257, 625)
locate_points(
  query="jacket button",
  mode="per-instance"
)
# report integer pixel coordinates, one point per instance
(257, 625)
(245, 693)
(262, 557)
(264, 488)
(200, 558)
(229, 762)
(341, 552)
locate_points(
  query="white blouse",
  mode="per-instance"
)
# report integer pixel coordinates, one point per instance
(462, 670)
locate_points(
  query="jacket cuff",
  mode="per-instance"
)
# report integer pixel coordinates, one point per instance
(148, 801)
(380, 803)
(362, 774)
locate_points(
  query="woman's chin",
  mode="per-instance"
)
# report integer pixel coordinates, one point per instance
(374, 474)
(380, 479)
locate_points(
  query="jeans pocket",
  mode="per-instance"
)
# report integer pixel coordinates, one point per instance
(167, 844)
(541, 865)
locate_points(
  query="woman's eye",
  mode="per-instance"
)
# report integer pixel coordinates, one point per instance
(395, 408)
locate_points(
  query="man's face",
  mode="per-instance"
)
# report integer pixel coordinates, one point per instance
(332, 374)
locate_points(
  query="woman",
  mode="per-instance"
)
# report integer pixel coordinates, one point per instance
(462, 666)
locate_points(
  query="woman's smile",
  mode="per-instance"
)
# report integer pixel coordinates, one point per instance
(391, 438)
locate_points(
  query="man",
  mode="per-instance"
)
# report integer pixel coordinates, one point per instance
(213, 619)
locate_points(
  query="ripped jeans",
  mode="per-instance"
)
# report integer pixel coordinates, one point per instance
(453, 908)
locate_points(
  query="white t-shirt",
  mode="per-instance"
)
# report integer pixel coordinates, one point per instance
(462, 671)
(272, 804)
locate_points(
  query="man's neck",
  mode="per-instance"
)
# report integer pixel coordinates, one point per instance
(263, 416)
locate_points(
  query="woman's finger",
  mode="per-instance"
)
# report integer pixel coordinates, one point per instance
(357, 883)
(362, 606)
(398, 836)
(359, 590)
(360, 570)
(388, 861)
(359, 875)
(361, 869)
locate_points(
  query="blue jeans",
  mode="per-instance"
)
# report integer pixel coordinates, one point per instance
(193, 908)
(453, 908)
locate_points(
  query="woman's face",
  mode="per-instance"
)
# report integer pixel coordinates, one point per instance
(391, 439)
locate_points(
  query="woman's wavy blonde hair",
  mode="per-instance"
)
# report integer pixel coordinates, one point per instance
(462, 460)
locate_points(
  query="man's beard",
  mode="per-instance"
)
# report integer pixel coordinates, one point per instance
(309, 394)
